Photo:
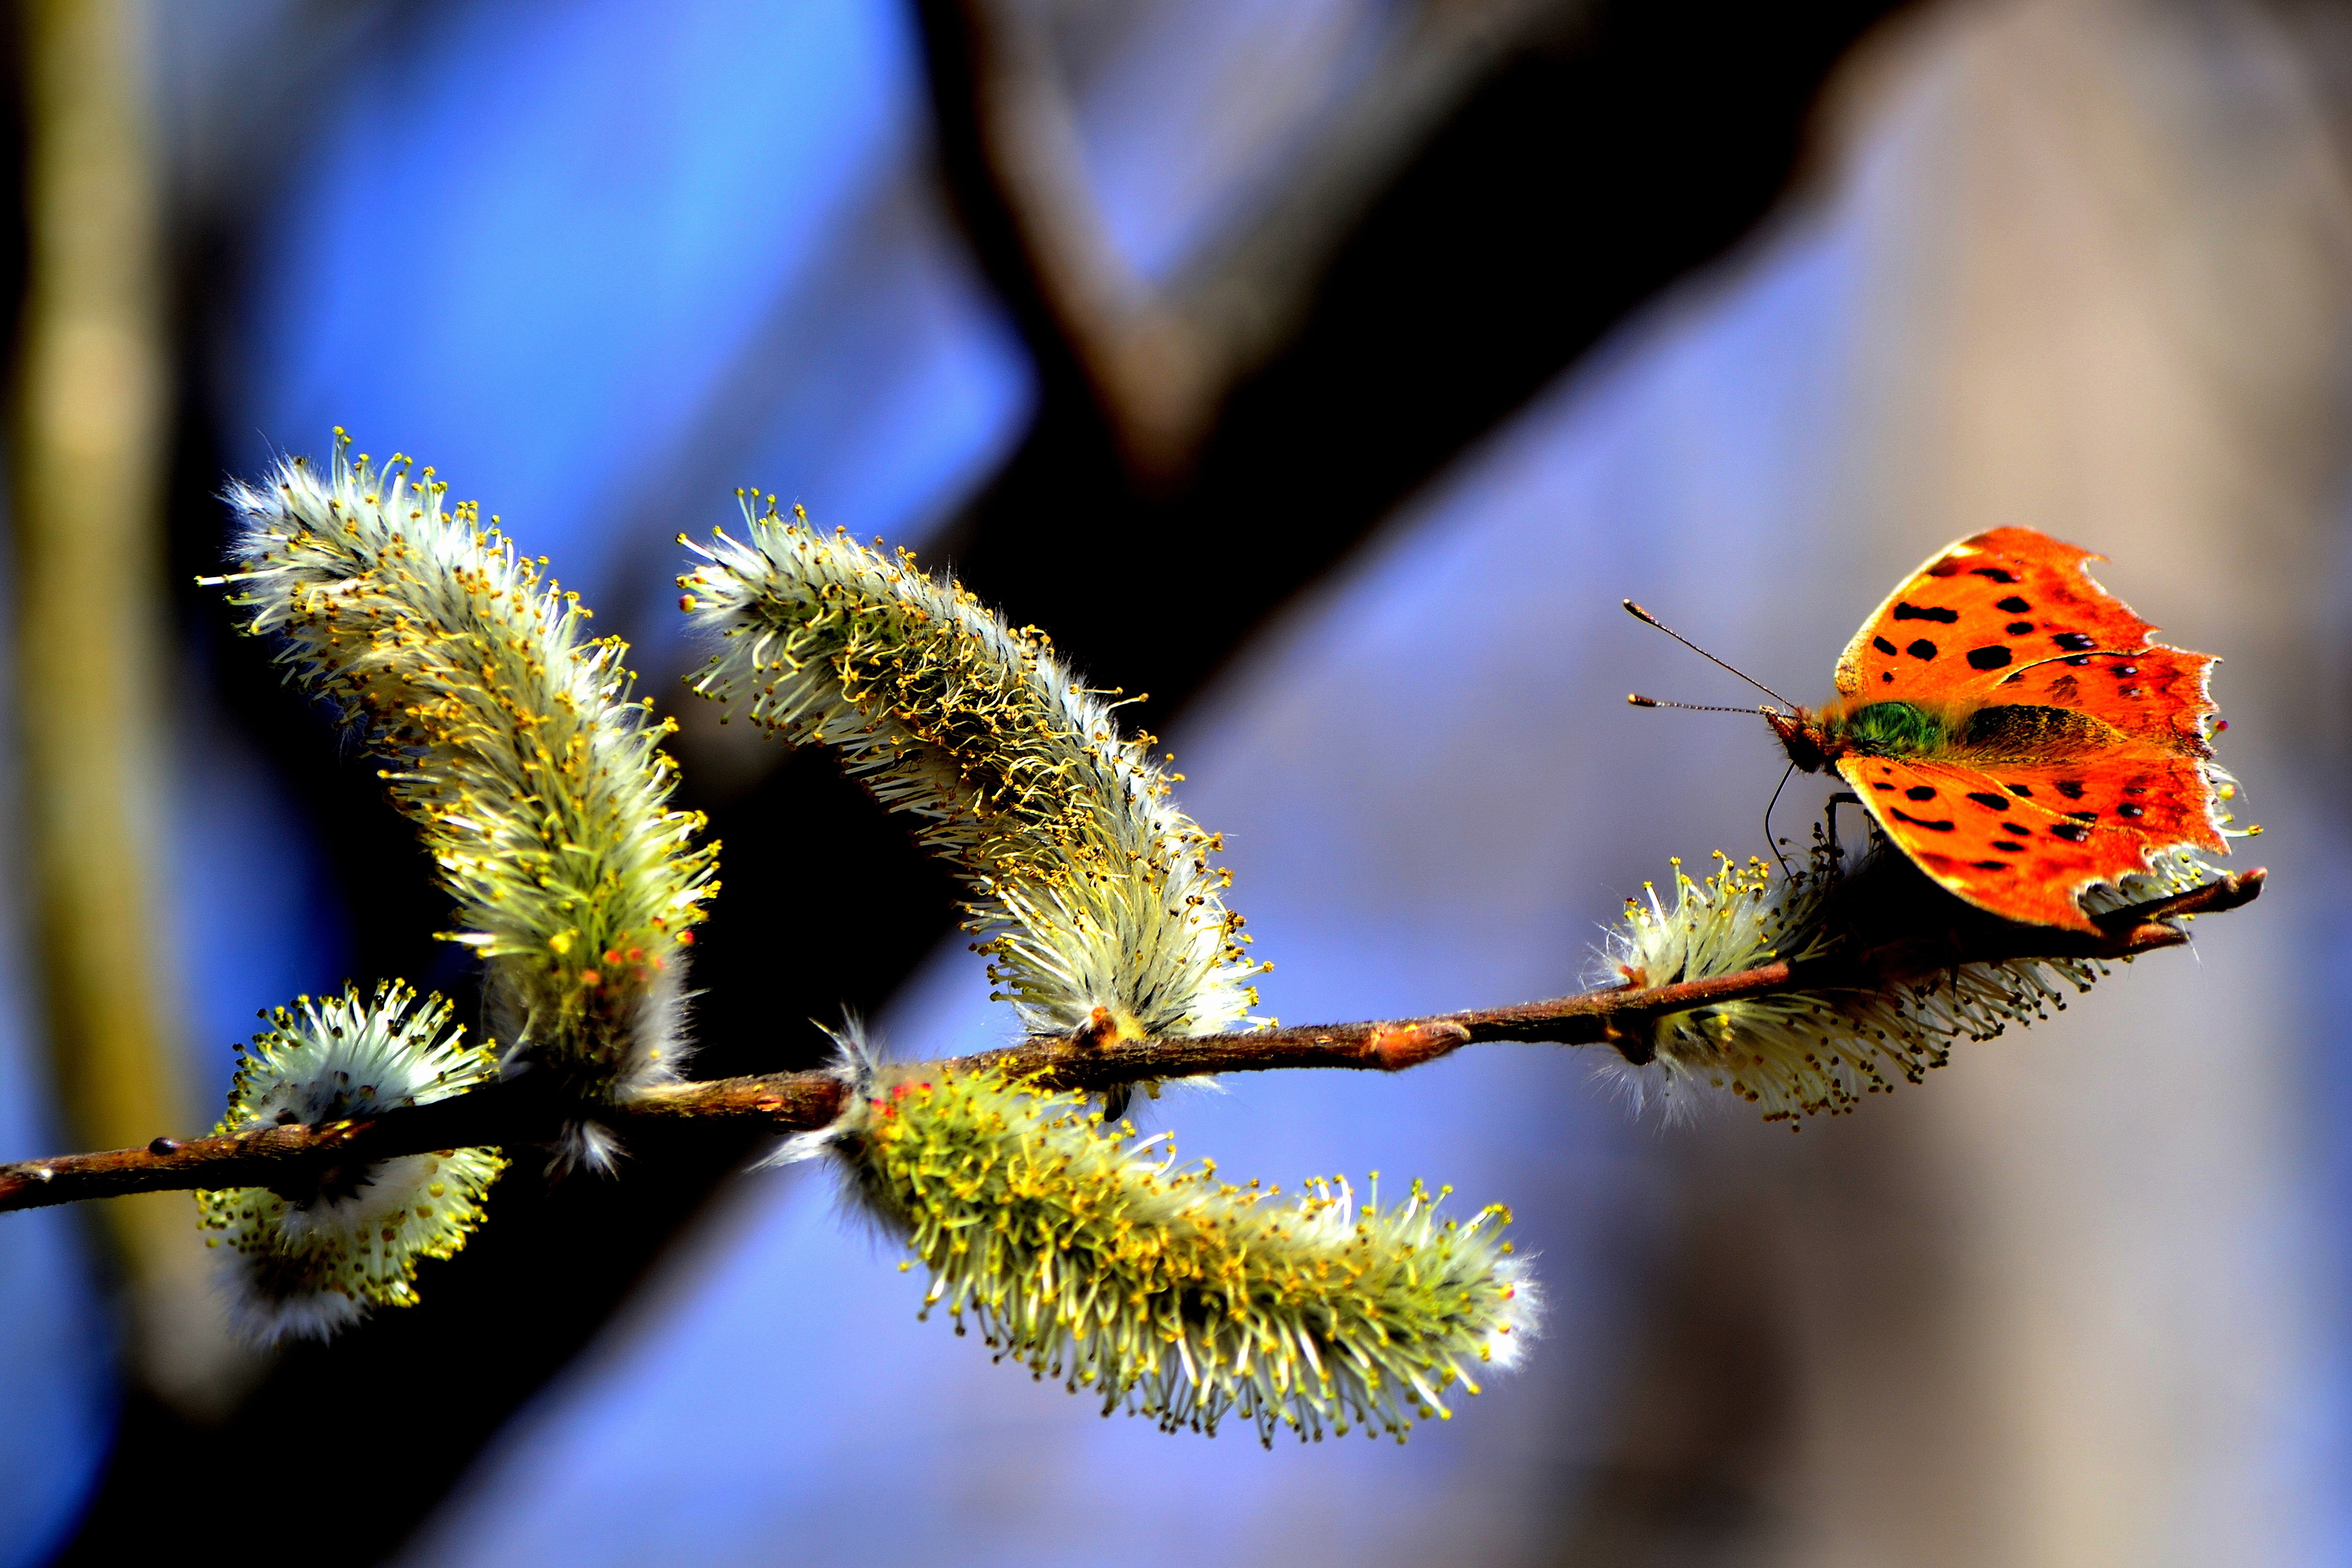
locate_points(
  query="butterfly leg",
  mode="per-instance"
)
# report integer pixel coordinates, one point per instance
(1768, 839)
(1843, 797)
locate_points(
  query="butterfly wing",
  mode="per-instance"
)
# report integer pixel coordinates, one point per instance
(2011, 615)
(2026, 840)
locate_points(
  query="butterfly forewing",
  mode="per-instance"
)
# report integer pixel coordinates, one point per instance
(2010, 616)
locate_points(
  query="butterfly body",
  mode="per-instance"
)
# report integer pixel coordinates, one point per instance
(2017, 731)
(1975, 735)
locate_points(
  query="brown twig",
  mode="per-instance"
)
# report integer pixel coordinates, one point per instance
(518, 1112)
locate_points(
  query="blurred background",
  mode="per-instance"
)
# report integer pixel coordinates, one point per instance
(1328, 369)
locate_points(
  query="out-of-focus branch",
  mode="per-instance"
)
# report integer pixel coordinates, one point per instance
(294, 1157)
(1160, 362)
(90, 415)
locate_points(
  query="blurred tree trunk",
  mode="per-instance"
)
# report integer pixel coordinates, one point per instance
(89, 419)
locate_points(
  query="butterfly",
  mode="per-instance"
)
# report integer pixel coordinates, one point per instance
(2016, 730)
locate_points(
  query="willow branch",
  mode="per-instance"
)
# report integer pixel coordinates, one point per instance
(520, 1112)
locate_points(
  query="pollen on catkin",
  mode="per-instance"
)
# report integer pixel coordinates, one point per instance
(310, 1265)
(1093, 1258)
(513, 741)
(1104, 909)
(1798, 1053)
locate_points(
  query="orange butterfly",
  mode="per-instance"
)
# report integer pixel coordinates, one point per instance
(2016, 731)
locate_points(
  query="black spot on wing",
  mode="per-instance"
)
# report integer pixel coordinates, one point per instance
(1945, 826)
(1888, 788)
(2072, 641)
(2132, 809)
(1989, 865)
(1995, 572)
(1944, 568)
(1922, 648)
(1882, 645)
(1906, 611)
(1920, 792)
(1991, 657)
(2014, 604)
(2072, 832)
(1989, 800)
(2007, 845)
(2018, 628)
(2018, 789)
(2071, 788)
(2083, 816)
(1885, 675)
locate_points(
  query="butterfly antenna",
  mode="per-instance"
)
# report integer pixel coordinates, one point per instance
(1644, 617)
(1638, 701)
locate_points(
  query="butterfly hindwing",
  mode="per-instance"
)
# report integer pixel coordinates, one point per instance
(2011, 615)
(2024, 840)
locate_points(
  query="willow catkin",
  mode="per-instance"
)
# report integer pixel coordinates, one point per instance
(1795, 1052)
(310, 1264)
(1093, 1258)
(1104, 909)
(513, 741)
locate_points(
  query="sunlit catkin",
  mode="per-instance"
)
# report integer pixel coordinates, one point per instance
(1106, 911)
(1798, 1052)
(307, 1265)
(540, 787)
(1095, 1259)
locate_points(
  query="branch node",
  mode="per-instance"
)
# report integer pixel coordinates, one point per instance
(1398, 1047)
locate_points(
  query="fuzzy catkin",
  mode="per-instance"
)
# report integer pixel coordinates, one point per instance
(1798, 1053)
(1106, 911)
(311, 1265)
(540, 787)
(1095, 1259)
